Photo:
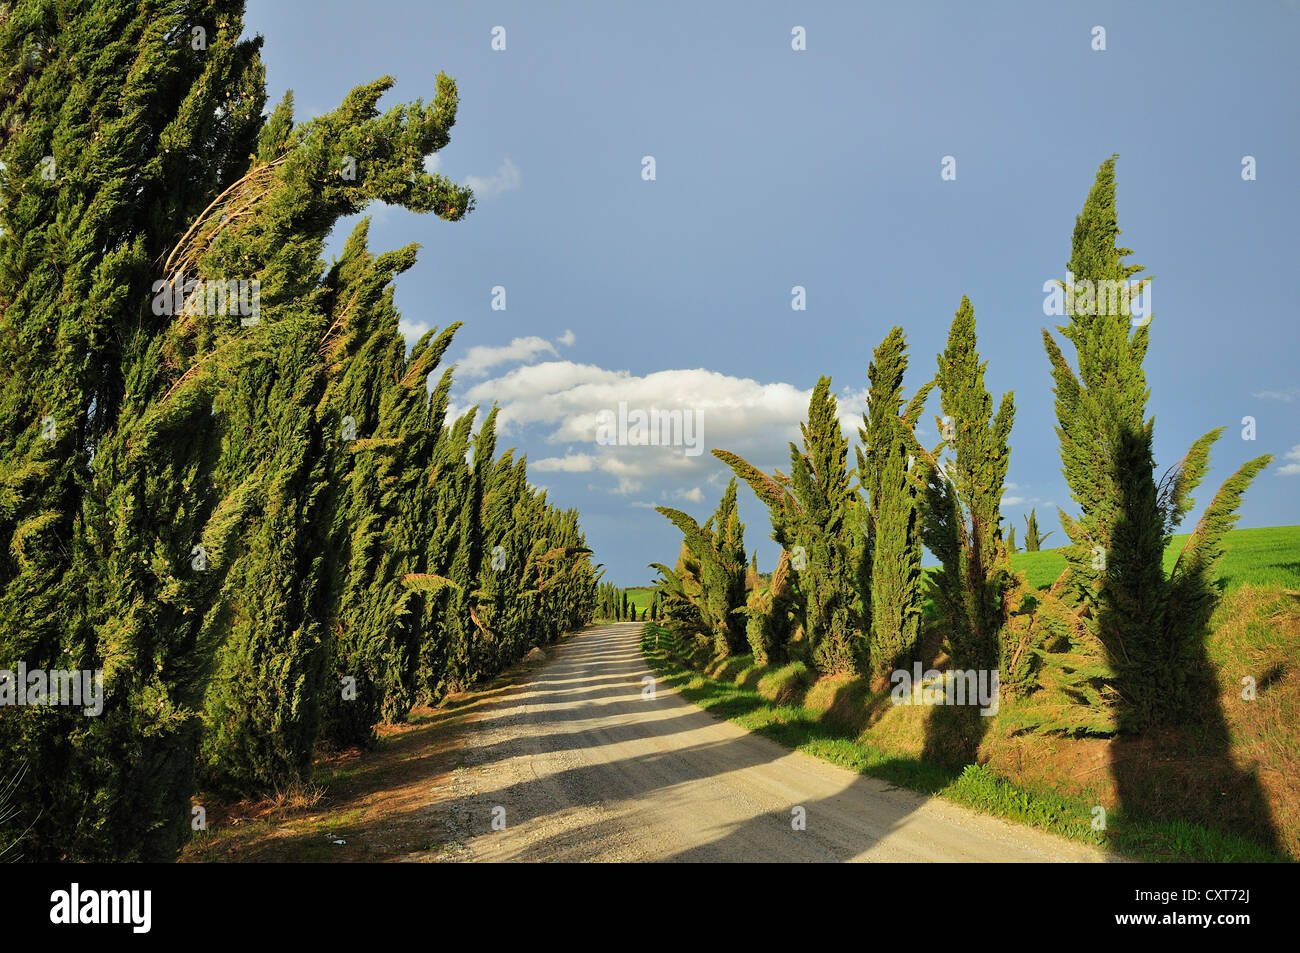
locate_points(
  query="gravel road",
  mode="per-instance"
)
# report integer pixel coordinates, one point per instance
(574, 764)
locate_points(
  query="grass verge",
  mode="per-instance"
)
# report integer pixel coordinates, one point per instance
(789, 706)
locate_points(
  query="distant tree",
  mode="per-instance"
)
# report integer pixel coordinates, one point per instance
(1033, 541)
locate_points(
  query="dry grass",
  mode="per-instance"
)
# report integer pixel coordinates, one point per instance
(1247, 783)
(785, 685)
(844, 702)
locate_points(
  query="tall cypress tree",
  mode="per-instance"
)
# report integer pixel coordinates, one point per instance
(962, 511)
(816, 508)
(117, 131)
(894, 510)
(1150, 627)
(263, 705)
(377, 497)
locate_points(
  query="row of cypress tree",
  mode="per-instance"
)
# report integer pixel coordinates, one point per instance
(261, 527)
(613, 604)
(1114, 641)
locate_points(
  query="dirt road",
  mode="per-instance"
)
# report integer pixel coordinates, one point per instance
(576, 765)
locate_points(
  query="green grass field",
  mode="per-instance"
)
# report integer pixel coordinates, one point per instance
(641, 597)
(1262, 557)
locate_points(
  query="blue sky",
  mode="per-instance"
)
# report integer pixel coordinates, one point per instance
(821, 168)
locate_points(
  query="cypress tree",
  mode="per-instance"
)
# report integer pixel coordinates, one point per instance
(1151, 628)
(1033, 539)
(377, 498)
(1012, 549)
(770, 617)
(683, 595)
(718, 548)
(816, 508)
(441, 662)
(262, 709)
(113, 141)
(893, 515)
(962, 518)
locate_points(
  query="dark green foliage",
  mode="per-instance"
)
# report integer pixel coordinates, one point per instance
(263, 706)
(683, 597)
(192, 523)
(718, 548)
(378, 496)
(99, 512)
(962, 517)
(1150, 628)
(770, 617)
(815, 515)
(893, 551)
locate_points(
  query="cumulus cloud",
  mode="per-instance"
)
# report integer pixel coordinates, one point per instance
(1292, 468)
(563, 403)
(507, 179)
(569, 463)
(413, 330)
(567, 338)
(481, 359)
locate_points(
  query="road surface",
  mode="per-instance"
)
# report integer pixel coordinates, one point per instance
(574, 764)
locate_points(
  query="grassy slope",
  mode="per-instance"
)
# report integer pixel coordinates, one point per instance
(641, 596)
(1192, 807)
(1261, 557)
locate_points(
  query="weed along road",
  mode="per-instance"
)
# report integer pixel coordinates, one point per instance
(582, 762)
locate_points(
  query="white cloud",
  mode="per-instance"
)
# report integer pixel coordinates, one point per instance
(561, 401)
(413, 330)
(1287, 396)
(1292, 468)
(1020, 499)
(433, 164)
(507, 179)
(569, 463)
(481, 358)
(567, 338)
